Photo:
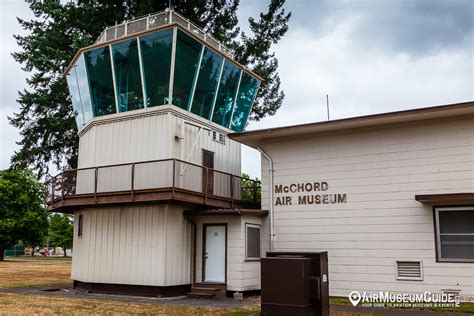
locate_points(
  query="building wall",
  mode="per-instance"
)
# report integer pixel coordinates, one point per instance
(159, 133)
(241, 275)
(381, 169)
(142, 245)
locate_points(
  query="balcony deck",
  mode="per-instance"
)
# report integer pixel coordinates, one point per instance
(150, 182)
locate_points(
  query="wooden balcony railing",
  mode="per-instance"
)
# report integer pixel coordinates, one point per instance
(148, 181)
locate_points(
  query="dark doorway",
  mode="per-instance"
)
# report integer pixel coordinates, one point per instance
(208, 161)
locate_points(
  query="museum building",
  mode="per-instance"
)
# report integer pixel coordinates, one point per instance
(161, 207)
(390, 197)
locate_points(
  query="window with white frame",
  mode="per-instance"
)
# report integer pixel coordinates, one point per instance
(455, 233)
(252, 242)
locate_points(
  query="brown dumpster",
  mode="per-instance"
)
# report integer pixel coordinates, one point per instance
(295, 283)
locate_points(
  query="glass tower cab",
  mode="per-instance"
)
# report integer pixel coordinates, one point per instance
(156, 60)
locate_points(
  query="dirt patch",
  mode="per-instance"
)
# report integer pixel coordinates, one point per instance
(26, 274)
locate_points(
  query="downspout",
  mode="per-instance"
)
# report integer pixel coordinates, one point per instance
(270, 175)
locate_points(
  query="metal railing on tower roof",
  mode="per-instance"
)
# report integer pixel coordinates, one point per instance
(156, 20)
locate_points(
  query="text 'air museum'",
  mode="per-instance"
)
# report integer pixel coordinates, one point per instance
(161, 208)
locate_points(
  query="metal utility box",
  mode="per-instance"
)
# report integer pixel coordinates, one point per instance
(295, 283)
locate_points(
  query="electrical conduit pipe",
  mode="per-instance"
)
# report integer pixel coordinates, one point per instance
(270, 191)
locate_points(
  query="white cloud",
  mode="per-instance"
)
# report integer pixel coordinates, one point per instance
(322, 53)
(12, 78)
(359, 80)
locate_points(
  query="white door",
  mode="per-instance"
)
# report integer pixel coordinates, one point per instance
(215, 254)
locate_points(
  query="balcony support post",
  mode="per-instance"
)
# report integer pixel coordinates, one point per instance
(174, 178)
(132, 181)
(206, 191)
(231, 191)
(255, 187)
(62, 187)
(53, 187)
(96, 174)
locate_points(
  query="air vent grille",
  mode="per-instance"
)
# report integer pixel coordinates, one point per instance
(218, 137)
(455, 293)
(409, 270)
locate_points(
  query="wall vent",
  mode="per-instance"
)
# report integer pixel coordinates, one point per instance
(409, 270)
(218, 137)
(456, 293)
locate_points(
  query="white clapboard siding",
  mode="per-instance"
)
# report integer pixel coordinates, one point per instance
(142, 245)
(381, 169)
(241, 275)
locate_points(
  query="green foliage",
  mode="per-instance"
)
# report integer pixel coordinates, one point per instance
(60, 230)
(251, 189)
(60, 28)
(22, 215)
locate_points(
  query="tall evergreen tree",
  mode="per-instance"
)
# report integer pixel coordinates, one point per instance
(59, 29)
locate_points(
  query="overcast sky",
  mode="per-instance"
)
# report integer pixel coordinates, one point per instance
(369, 56)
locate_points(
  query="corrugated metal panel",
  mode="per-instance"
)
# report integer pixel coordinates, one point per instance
(147, 245)
(153, 137)
(129, 140)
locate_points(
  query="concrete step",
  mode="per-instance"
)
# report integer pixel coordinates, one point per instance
(204, 289)
(217, 290)
(200, 295)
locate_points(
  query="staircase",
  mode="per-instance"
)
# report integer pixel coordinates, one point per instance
(207, 290)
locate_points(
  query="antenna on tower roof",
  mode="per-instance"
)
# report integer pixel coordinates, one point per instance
(327, 104)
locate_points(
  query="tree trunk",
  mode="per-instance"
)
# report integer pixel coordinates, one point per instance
(2, 249)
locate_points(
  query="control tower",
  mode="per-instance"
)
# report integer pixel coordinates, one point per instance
(159, 203)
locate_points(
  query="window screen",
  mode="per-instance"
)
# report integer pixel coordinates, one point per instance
(75, 97)
(188, 53)
(156, 58)
(226, 94)
(80, 225)
(128, 80)
(206, 85)
(99, 70)
(81, 76)
(455, 233)
(252, 239)
(243, 104)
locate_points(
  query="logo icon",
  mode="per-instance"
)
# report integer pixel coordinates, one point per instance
(354, 297)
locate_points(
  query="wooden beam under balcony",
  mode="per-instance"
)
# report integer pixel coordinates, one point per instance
(70, 203)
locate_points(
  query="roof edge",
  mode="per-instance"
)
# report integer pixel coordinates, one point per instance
(456, 109)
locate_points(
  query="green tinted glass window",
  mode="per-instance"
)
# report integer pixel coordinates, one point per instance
(75, 97)
(99, 71)
(226, 94)
(156, 60)
(84, 88)
(188, 53)
(243, 104)
(206, 85)
(127, 75)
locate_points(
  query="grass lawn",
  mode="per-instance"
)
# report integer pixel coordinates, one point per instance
(29, 305)
(27, 258)
(26, 274)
